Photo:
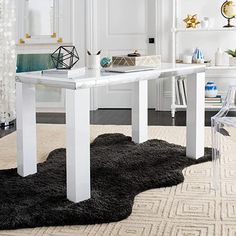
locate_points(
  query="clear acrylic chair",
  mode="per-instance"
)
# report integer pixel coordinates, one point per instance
(218, 122)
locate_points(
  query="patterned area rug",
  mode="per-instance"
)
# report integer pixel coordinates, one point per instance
(190, 208)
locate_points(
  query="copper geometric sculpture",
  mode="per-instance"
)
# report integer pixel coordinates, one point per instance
(65, 57)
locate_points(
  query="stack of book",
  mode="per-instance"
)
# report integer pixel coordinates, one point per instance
(181, 94)
(181, 91)
(217, 101)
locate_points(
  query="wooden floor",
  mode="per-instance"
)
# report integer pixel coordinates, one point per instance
(116, 117)
(123, 117)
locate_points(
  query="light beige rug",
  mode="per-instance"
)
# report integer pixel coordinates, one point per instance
(192, 208)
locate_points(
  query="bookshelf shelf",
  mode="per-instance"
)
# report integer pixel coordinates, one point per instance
(221, 68)
(184, 30)
(206, 106)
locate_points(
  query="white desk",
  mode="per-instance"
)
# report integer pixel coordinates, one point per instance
(77, 117)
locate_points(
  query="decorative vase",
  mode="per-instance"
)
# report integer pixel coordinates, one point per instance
(205, 23)
(232, 61)
(211, 90)
(187, 59)
(105, 62)
(211, 22)
(219, 57)
(198, 56)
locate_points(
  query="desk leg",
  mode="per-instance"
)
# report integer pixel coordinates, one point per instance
(78, 144)
(195, 115)
(140, 112)
(26, 129)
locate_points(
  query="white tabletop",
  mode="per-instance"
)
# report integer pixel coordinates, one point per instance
(96, 78)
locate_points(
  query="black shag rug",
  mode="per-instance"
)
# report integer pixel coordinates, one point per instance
(120, 169)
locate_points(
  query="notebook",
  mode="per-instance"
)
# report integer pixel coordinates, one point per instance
(129, 69)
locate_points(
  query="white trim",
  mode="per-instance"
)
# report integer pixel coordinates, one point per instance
(91, 25)
(167, 94)
(20, 19)
(159, 94)
(91, 41)
(73, 20)
(36, 49)
(159, 28)
(50, 110)
(159, 23)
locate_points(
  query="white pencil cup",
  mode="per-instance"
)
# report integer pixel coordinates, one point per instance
(93, 61)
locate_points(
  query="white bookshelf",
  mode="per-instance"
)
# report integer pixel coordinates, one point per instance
(175, 31)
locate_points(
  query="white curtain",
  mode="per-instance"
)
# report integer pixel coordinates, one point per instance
(7, 60)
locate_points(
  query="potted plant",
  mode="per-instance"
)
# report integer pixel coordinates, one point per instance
(232, 59)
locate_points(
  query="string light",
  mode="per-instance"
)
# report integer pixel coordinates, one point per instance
(7, 61)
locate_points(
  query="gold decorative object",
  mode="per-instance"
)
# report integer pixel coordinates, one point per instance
(21, 41)
(60, 40)
(54, 35)
(191, 21)
(228, 10)
(27, 36)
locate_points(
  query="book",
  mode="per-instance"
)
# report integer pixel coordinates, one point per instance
(217, 99)
(185, 88)
(213, 100)
(65, 73)
(180, 97)
(217, 102)
(181, 90)
(214, 104)
(177, 92)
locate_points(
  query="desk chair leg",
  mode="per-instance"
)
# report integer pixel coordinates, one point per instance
(78, 144)
(216, 152)
(140, 112)
(26, 129)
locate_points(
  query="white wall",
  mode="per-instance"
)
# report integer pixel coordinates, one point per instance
(187, 42)
(79, 38)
